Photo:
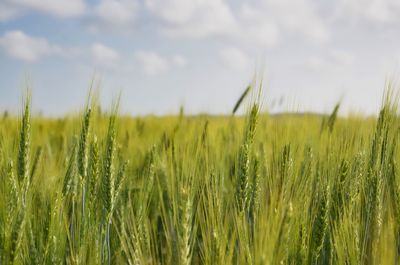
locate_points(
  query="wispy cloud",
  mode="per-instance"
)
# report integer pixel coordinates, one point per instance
(333, 59)
(234, 58)
(58, 8)
(256, 22)
(377, 11)
(260, 22)
(153, 64)
(114, 14)
(256, 28)
(7, 11)
(193, 19)
(103, 55)
(291, 17)
(179, 60)
(23, 47)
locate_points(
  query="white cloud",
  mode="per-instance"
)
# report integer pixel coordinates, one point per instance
(7, 12)
(176, 12)
(334, 59)
(266, 34)
(62, 8)
(235, 58)
(256, 22)
(316, 62)
(379, 11)
(206, 18)
(153, 64)
(116, 12)
(104, 56)
(18, 45)
(59, 8)
(376, 11)
(195, 19)
(21, 46)
(179, 60)
(301, 17)
(342, 57)
(256, 28)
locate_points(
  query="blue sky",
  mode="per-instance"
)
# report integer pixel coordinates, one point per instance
(161, 54)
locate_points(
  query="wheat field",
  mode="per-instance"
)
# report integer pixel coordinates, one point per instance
(103, 188)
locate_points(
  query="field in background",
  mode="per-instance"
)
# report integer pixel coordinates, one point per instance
(104, 189)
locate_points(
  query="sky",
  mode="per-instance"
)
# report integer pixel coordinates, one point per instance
(199, 54)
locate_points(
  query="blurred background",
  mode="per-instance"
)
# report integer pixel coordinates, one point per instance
(201, 54)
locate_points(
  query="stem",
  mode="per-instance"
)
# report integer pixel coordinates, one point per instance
(108, 242)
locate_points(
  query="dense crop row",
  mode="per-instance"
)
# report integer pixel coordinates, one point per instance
(108, 189)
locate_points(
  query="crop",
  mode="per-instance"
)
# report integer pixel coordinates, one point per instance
(102, 188)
